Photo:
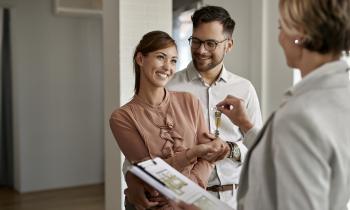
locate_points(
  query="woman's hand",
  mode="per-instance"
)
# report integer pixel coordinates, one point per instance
(200, 150)
(212, 151)
(234, 109)
(140, 194)
(183, 206)
(220, 147)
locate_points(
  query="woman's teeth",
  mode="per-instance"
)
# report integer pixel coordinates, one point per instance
(162, 75)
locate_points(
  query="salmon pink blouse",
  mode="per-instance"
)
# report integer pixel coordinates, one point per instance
(167, 130)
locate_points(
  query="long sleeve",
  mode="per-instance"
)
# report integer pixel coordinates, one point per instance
(254, 113)
(302, 160)
(202, 169)
(139, 136)
(250, 137)
(127, 136)
(133, 146)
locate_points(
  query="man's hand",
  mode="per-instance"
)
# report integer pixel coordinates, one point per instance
(201, 150)
(220, 149)
(141, 195)
(234, 109)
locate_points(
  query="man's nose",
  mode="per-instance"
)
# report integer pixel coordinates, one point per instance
(201, 49)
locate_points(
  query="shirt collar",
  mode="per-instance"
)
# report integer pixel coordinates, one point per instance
(314, 79)
(163, 104)
(193, 74)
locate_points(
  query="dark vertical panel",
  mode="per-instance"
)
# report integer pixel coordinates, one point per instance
(6, 141)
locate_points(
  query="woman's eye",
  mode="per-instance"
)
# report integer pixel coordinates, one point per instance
(160, 57)
(174, 61)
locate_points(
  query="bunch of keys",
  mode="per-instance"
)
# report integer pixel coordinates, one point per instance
(217, 121)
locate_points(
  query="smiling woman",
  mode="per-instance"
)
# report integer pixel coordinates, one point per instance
(161, 123)
(157, 69)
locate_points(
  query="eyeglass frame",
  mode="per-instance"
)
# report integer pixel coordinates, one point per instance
(205, 41)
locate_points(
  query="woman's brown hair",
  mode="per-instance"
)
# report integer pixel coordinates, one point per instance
(150, 42)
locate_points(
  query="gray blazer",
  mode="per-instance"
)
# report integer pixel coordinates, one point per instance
(300, 160)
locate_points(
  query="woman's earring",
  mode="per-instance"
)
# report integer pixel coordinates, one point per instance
(297, 41)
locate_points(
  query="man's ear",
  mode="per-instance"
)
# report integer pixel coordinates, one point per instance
(229, 45)
(139, 59)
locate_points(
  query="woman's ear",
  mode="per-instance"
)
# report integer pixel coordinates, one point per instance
(139, 59)
(299, 40)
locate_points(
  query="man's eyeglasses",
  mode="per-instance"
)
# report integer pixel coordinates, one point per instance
(209, 44)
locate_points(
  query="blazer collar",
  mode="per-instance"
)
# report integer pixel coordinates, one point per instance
(332, 74)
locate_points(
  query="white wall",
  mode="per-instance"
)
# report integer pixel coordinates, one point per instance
(238, 59)
(135, 19)
(57, 93)
(276, 77)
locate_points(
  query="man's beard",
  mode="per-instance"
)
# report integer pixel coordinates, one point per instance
(208, 66)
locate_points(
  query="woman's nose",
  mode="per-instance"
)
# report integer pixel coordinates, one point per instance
(167, 65)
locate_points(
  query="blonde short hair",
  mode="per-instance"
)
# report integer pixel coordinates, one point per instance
(323, 24)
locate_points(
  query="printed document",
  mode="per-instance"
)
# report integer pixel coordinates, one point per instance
(175, 185)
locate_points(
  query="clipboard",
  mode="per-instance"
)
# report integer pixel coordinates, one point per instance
(174, 185)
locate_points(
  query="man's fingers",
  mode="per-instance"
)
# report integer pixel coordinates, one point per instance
(233, 98)
(222, 155)
(210, 136)
(229, 103)
(229, 100)
(218, 155)
(210, 157)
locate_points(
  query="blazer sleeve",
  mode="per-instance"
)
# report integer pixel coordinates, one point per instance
(301, 159)
(254, 112)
